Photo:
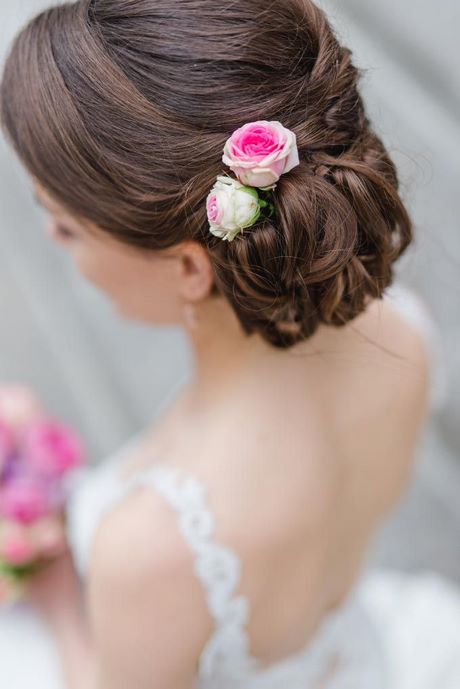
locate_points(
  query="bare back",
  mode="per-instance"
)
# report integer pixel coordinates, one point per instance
(302, 464)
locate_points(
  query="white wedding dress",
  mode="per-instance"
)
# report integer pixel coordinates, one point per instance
(396, 631)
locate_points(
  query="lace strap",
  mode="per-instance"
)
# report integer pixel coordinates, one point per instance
(216, 565)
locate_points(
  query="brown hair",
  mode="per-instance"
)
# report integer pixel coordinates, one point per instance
(121, 111)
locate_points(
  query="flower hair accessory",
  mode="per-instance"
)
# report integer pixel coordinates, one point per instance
(258, 153)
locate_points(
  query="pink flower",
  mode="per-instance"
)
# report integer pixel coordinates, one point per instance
(16, 546)
(18, 405)
(260, 152)
(24, 500)
(52, 448)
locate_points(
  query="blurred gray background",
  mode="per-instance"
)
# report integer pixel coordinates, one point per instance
(110, 377)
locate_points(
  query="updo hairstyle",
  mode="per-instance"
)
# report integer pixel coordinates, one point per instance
(121, 110)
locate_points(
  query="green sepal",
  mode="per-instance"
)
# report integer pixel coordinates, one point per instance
(19, 573)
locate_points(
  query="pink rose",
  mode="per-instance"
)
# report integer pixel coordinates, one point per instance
(52, 448)
(18, 405)
(24, 500)
(260, 152)
(16, 546)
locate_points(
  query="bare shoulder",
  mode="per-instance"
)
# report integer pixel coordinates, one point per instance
(397, 384)
(140, 526)
(147, 607)
(399, 346)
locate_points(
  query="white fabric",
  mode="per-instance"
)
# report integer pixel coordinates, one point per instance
(28, 656)
(395, 631)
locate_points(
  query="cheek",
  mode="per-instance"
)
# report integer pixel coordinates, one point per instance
(90, 266)
(139, 289)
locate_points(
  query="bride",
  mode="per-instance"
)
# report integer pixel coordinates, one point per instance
(211, 165)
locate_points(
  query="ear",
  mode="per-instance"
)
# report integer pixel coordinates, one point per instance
(196, 274)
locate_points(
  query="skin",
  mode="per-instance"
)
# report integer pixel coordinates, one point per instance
(298, 495)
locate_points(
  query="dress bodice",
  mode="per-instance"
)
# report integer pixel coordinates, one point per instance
(345, 653)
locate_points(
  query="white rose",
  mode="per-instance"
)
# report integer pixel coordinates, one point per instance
(231, 207)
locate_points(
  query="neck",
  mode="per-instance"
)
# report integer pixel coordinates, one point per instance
(225, 357)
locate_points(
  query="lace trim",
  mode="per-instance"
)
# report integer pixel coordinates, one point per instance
(217, 567)
(226, 660)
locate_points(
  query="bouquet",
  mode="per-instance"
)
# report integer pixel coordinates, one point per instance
(38, 454)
